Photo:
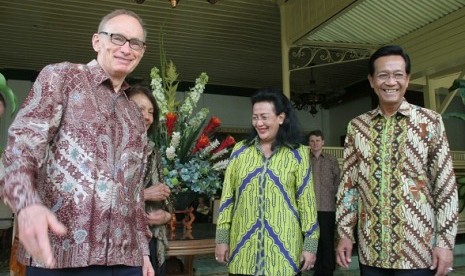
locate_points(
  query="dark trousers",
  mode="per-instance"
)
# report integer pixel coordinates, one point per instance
(376, 271)
(160, 269)
(230, 274)
(326, 257)
(116, 270)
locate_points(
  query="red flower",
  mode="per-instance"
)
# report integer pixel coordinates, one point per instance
(227, 142)
(212, 125)
(171, 118)
(201, 143)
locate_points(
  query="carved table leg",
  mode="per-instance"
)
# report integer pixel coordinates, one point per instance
(189, 219)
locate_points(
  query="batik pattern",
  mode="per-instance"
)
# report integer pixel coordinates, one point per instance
(78, 147)
(267, 207)
(399, 185)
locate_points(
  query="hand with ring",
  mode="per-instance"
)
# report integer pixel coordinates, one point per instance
(443, 260)
(222, 253)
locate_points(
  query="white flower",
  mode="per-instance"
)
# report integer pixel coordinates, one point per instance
(217, 155)
(221, 165)
(194, 95)
(158, 91)
(175, 139)
(184, 168)
(206, 151)
(196, 121)
(170, 153)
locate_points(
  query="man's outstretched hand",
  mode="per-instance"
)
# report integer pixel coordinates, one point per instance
(34, 222)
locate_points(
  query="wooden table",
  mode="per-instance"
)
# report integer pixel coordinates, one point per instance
(188, 243)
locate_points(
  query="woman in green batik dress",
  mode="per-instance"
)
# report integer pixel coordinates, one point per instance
(267, 223)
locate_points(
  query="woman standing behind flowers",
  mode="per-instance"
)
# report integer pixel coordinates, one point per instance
(268, 203)
(155, 192)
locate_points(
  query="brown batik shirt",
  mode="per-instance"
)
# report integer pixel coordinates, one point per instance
(399, 185)
(325, 172)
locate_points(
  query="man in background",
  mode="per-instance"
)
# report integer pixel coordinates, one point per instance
(397, 183)
(72, 169)
(325, 171)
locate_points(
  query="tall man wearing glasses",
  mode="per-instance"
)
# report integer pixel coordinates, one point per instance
(397, 183)
(72, 168)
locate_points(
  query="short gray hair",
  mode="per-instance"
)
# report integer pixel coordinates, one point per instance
(119, 12)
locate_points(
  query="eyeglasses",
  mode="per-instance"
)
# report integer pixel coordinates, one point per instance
(120, 40)
(396, 76)
(263, 118)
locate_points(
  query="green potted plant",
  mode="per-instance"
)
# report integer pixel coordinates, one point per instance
(8, 94)
(9, 97)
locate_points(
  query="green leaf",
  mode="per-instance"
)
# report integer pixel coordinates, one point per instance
(461, 203)
(188, 143)
(6, 91)
(175, 181)
(457, 84)
(460, 85)
(461, 193)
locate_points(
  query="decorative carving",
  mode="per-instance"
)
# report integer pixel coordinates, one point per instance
(305, 57)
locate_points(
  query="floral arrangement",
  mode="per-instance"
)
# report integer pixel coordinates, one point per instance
(191, 158)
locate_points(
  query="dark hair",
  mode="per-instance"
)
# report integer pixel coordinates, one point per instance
(388, 50)
(2, 100)
(317, 133)
(289, 133)
(144, 90)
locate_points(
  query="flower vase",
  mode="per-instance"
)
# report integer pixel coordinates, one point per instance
(183, 203)
(183, 200)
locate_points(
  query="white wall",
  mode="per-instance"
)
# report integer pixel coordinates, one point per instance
(234, 112)
(340, 117)
(310, 122)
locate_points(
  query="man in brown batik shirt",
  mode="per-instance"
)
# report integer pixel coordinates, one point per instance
(325, 172)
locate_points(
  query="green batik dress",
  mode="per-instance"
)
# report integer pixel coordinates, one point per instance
(267, 213)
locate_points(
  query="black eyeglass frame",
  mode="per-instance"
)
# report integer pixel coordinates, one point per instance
(132, 42)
